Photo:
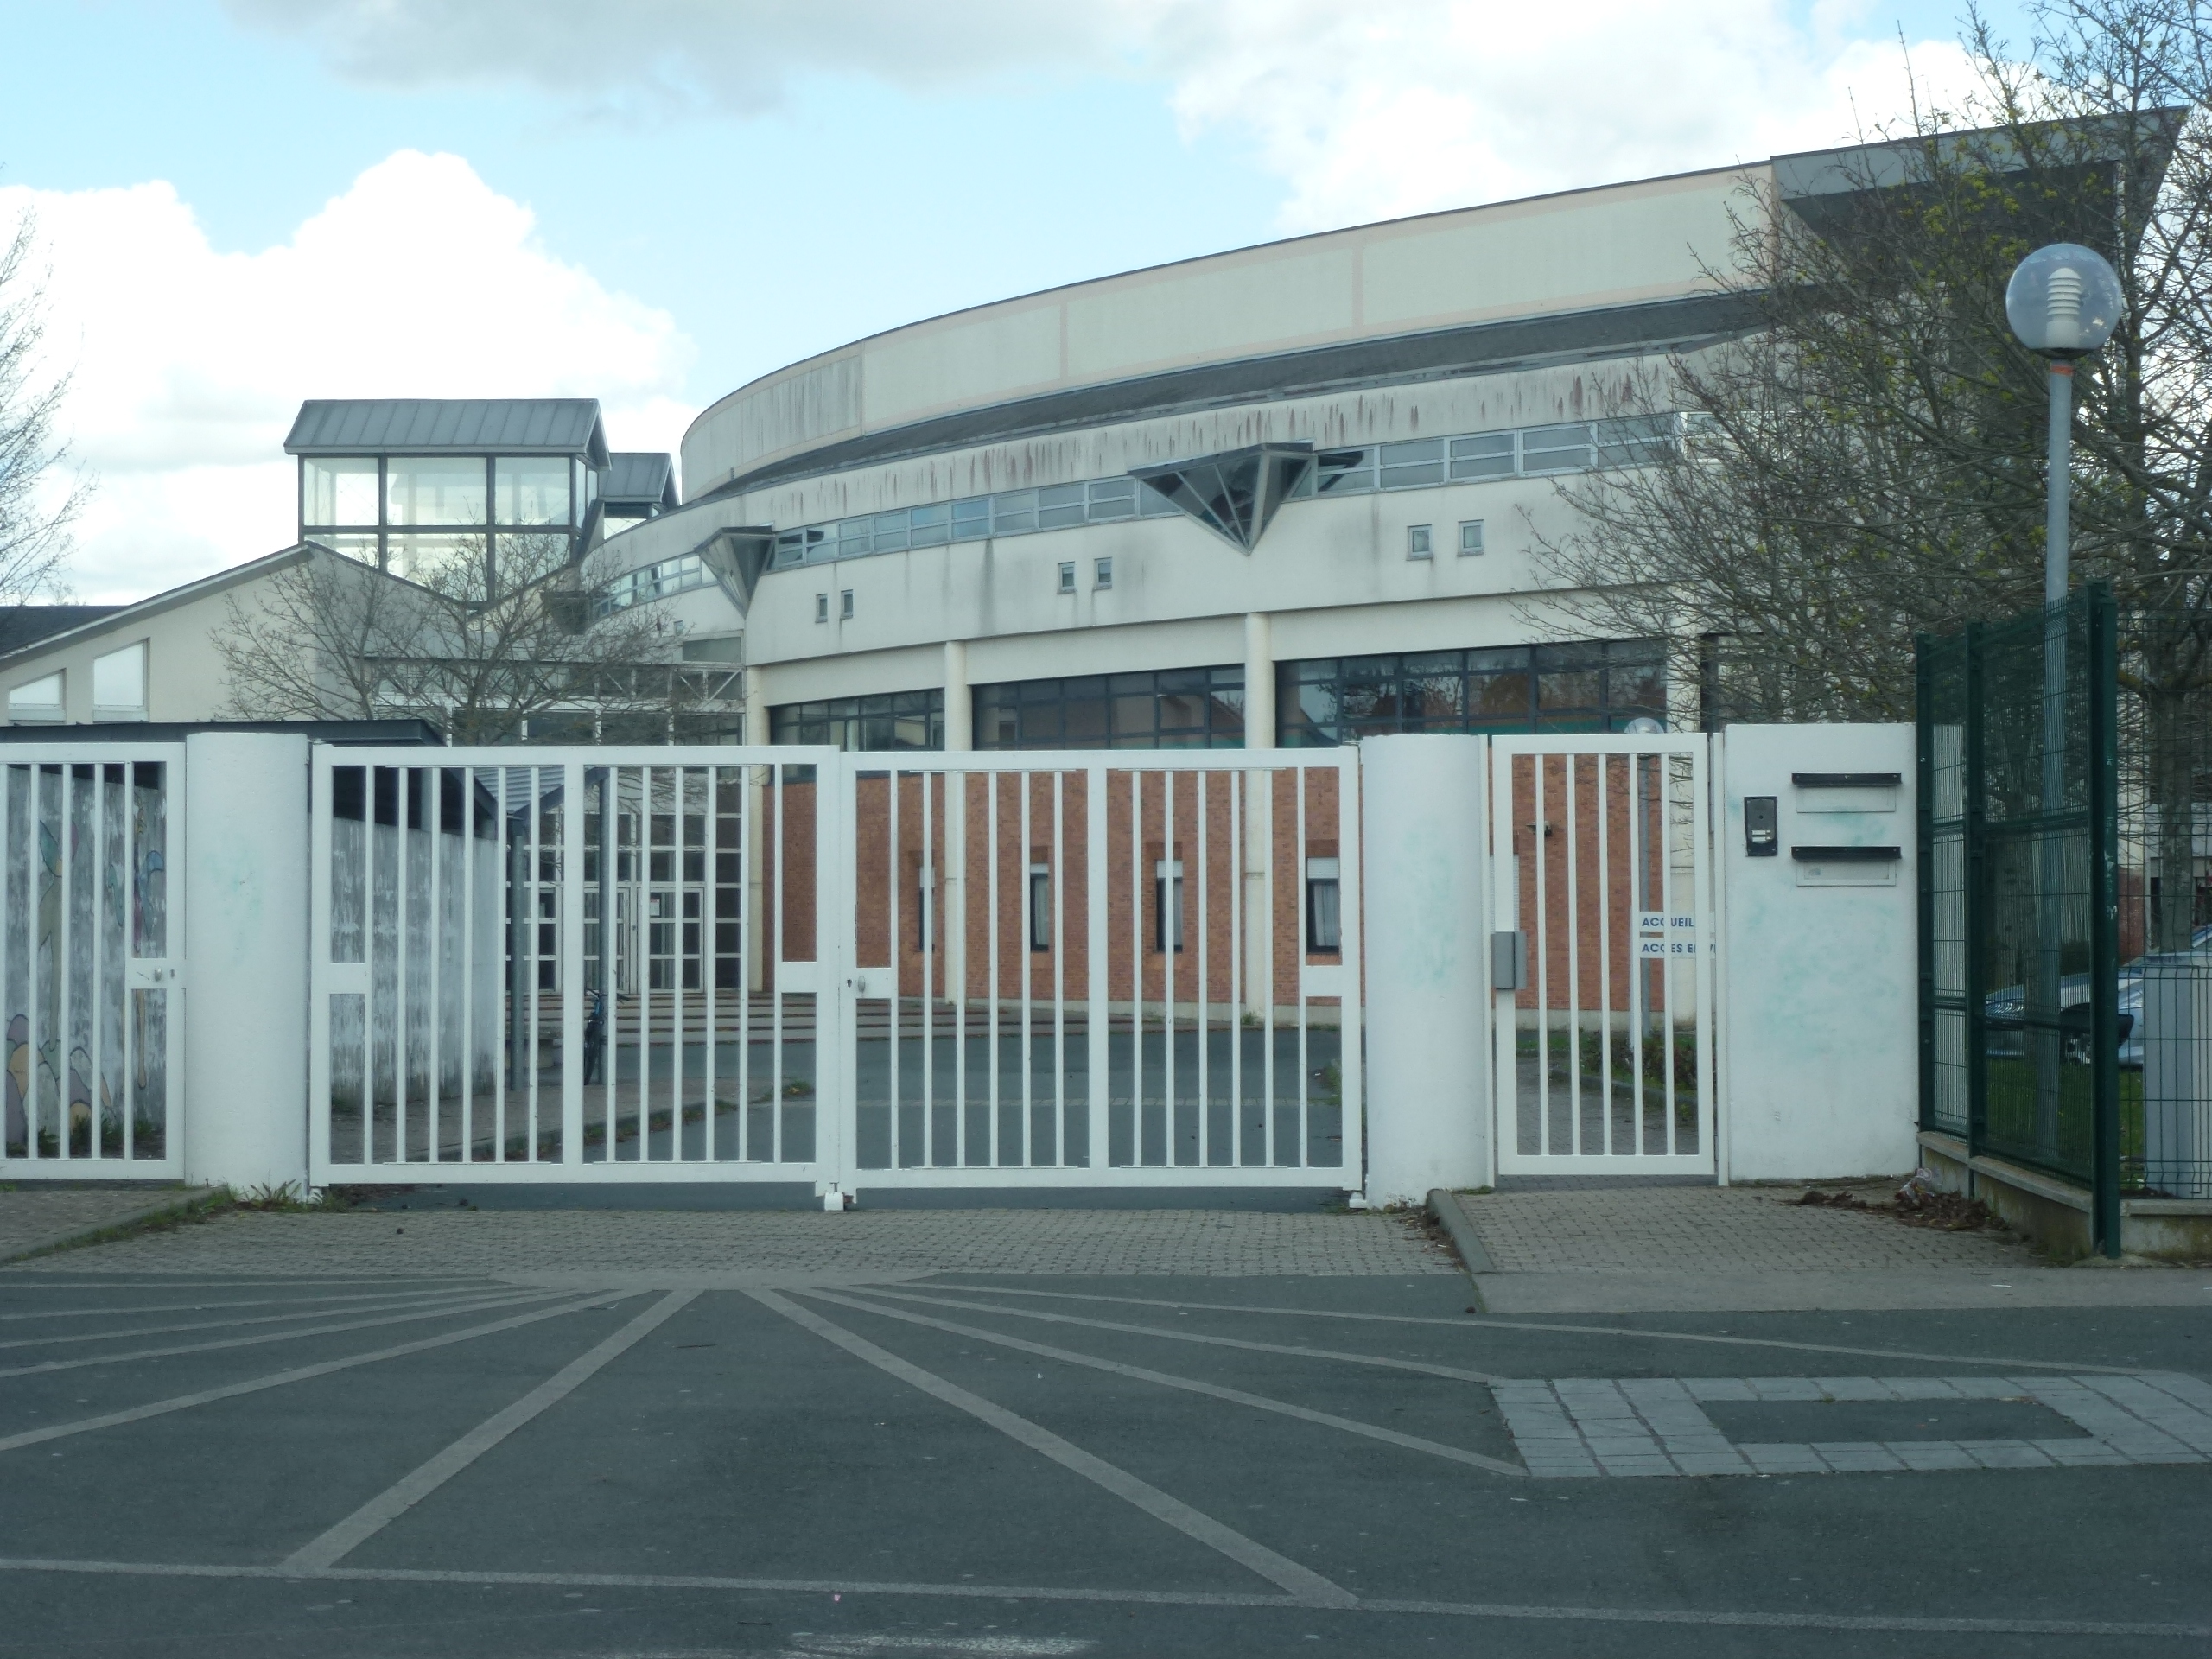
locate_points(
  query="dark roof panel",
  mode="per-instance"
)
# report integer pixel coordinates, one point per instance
(26, 624)
(639, 477)
(431, 426)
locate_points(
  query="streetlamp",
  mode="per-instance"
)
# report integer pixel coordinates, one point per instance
(2063, 302)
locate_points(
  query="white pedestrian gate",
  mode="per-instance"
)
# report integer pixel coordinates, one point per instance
(793, 964)
(1601, 861)
(90, 929)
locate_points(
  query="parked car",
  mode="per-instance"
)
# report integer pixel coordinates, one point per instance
(2004, 1034)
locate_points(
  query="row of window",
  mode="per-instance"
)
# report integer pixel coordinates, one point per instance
(1599, 687)
(379, 492)
(1418, 463)
(1324, 907)
(118, 689)
(652, 582)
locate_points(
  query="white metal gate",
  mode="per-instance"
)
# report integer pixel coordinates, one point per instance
(1092, 969)
(1601, 860)
(91, 930)
(565, 964)
(792, 964)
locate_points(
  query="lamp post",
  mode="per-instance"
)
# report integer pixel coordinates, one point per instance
(2063, 302)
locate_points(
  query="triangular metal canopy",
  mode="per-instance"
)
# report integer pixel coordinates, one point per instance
(737, 555)
(1235, 494)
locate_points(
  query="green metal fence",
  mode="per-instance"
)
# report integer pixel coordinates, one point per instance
(2020, 1033)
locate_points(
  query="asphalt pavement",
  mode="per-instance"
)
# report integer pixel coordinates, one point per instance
(725, 1460)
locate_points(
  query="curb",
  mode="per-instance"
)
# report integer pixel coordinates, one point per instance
(1453, 1218)
(174, 1204)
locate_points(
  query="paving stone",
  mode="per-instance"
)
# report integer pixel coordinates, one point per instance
(1719, 1388)
(2005, 1454)
(1783, 1460)
(1648, 1230)
(1855, 1388)
(445, 1243)
(1859, 1456)
(1988, 1388)
(1784, 1387)
(1931, 1454)
(1922, 1387)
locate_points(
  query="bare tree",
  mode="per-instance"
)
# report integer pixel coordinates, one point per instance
(34, 528)
(491, 649)
(1863, 463)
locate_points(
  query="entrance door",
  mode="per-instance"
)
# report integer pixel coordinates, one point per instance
(1600, 860)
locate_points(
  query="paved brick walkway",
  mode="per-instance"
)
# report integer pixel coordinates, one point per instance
(495, 1243)
(32, 1217)
(1659, 1228)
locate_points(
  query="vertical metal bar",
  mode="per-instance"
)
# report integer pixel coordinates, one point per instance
(1097, 962)
(1539, 830)
(1056, 901)
(926, 902)
(95, 1101)
(1974, 908)
(1351, 1050)
(710, 967)
(1923, 734)
(34, 988)
(679, 1009)
(468, 969)
(1171, 927)
(1639, 972)
(896, 950)
(779, 926)
(67, 917)
(1602, 802)
(1266, 967)
(1239, 782)
(955, 953)
(506, 1015)
(748, 948)
(1570, 763)
(535, 784)
(569, 947)
(1137, 965)
(1201, 779)
(126, 1045)
(433, 779)
(403, 912)
(1669, 977)
(1298, 846)
(2103, 792)
(991, 782)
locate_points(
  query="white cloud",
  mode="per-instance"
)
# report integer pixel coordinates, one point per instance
(419, 281)
(1363, 110)
(1399, 106)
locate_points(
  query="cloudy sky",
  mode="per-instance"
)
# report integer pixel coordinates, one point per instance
(243, 203)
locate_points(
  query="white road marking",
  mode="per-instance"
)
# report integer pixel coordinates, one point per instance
(1455, 1372)
(279, 1379)
(396, 1500)
(446, 1299)
(326, 1302)
(1475, 1322)
(1192, 1385)
(445, 1311)
(1719, 1618)
(1304, 1585)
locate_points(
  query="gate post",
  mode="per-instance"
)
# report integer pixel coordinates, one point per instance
(246, 1001)
(1427, 957)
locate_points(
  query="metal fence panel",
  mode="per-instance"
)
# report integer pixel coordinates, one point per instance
(88, 923)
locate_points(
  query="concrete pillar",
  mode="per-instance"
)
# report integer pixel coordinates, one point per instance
(246, 924)
(1259, 816)
(1427, 960)
(756, 706)
(959, 706)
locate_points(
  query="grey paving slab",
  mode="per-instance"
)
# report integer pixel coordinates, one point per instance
(35, 1218)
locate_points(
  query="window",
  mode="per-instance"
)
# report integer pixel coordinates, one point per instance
(1409, 465)
(926, 887)
(1040, 907)
(845, 605)
(1170, 709)
(1596, 687)
(1324, 914)
(39, 699)
(1470, 537)
(530, 490)
(434, 490)
(1067, 575)
(1555, 448)
(1168, 906)
(1101, 573)
(822, 608)
(1417, 542)
(1489, 455)
(119, 683)
(892, 720)
(339, 490)
(653, 582)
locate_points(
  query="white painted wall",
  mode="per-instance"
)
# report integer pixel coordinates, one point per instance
(245, 996)
(1427, 962)
(1821, 1051)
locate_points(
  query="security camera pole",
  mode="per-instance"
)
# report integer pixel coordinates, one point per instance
(2063, 302)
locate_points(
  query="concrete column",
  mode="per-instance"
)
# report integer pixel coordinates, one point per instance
(1259, 816)
(756, 706)
(959, 706)
(1427, 960)
(246, 953)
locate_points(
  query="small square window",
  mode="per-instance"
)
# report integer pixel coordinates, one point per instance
(845, 605)
(1470, 537)
(1067, 576)
(1101, 573)
(822, 608)
(1417, 542)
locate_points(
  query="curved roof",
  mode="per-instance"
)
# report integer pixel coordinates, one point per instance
(1399, 287)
